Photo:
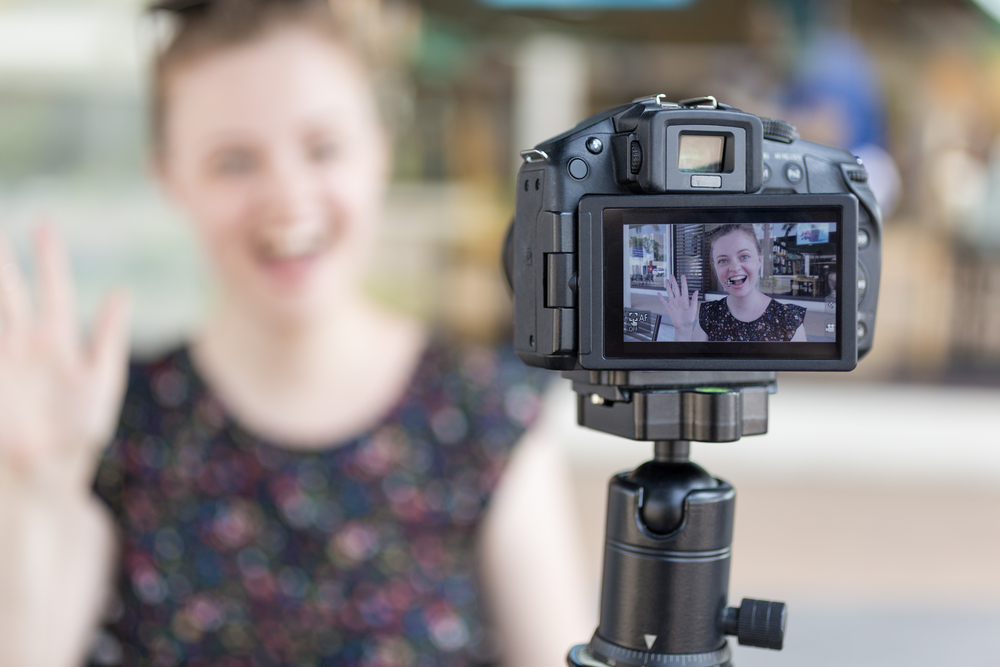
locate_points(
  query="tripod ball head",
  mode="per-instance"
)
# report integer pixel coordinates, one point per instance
(665, 485)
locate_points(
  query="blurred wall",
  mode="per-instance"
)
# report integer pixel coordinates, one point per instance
(477, 84)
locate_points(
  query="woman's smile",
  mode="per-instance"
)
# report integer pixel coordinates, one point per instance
(291, 255)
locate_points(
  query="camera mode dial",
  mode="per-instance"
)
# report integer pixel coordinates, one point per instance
(779, 130)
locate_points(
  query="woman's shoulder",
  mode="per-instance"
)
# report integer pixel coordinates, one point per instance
(789, 311)
(166, 377)
(715, 306)
(714, 311)
(468, 372)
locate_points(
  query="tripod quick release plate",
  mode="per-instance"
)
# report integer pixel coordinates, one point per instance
(650, 405)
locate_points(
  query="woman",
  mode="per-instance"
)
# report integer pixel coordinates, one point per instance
(304, 483)
(746, 314)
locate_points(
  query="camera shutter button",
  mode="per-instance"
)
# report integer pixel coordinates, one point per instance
(578, 168)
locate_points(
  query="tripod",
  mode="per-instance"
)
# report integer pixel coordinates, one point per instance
(669, 523)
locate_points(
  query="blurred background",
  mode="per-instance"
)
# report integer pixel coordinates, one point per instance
(873, 506)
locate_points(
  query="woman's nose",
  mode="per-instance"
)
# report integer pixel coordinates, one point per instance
(290, 195)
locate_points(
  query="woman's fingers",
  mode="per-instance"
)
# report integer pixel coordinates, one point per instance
(15, 312)
(684, 286)
(57, 308)
(109, 342)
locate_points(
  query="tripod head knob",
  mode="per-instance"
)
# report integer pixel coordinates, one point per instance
(757, 623)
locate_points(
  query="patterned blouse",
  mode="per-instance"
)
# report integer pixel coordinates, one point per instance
(779, 322)
(237, 552)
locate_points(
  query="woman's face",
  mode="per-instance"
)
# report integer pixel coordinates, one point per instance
(274, 150)
(737, 262)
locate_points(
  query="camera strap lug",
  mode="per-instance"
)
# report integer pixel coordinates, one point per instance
(533, 155)
(706, 102)
(660, 99)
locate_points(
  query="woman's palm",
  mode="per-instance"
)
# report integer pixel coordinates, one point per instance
(681, 309)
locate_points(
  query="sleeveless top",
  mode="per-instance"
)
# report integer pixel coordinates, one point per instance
(779, 322)
(237, 552)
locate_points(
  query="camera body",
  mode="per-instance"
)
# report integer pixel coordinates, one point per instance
(610, 210)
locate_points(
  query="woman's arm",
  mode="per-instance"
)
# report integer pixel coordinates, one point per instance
(532, 561)
(59, 403)
(56, 558)
(800, 334)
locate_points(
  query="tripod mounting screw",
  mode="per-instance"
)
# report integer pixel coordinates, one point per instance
(757, 623)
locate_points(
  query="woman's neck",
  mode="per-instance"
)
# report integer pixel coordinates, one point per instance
(280, 352)
(312, 382)
(748, 308)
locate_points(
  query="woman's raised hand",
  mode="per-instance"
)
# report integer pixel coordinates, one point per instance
(681, 309)
(59, 398)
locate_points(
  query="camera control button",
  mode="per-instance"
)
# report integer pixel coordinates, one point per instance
(706, 181)
(578, 169)
(864, 238)
(862, 330)
(595, 145)
(767, 173)
(793, 172)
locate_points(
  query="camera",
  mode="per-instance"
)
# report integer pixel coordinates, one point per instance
(692, 236)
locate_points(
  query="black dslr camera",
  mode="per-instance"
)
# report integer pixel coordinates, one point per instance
(608, 212)
(669, 258)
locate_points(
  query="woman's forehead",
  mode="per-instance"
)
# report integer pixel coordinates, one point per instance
(289, 75)
(736, 238)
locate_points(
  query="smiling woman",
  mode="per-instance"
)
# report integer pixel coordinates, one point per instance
(306, 480)
(745, 314)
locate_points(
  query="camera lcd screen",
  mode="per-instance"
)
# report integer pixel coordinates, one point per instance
(723, 283)
(701, 153)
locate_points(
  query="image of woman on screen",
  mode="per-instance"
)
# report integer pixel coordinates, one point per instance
(746, 314)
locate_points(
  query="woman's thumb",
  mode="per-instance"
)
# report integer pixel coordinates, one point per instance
(109, 343)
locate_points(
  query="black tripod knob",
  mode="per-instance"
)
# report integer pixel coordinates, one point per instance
(757, 623)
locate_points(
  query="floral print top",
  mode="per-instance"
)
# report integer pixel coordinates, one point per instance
(779, 322)
(237, 552)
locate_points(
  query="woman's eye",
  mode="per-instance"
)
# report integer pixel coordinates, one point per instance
(744, 257)
(235, 163)
(723, 260)
(323, 151)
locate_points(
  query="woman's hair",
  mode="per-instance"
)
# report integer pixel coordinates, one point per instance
(728, 228)
(202, 27)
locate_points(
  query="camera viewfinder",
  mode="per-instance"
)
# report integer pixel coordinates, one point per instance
(701, 153)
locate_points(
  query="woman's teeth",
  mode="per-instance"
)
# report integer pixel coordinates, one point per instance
(292, 245)
(737, 281)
